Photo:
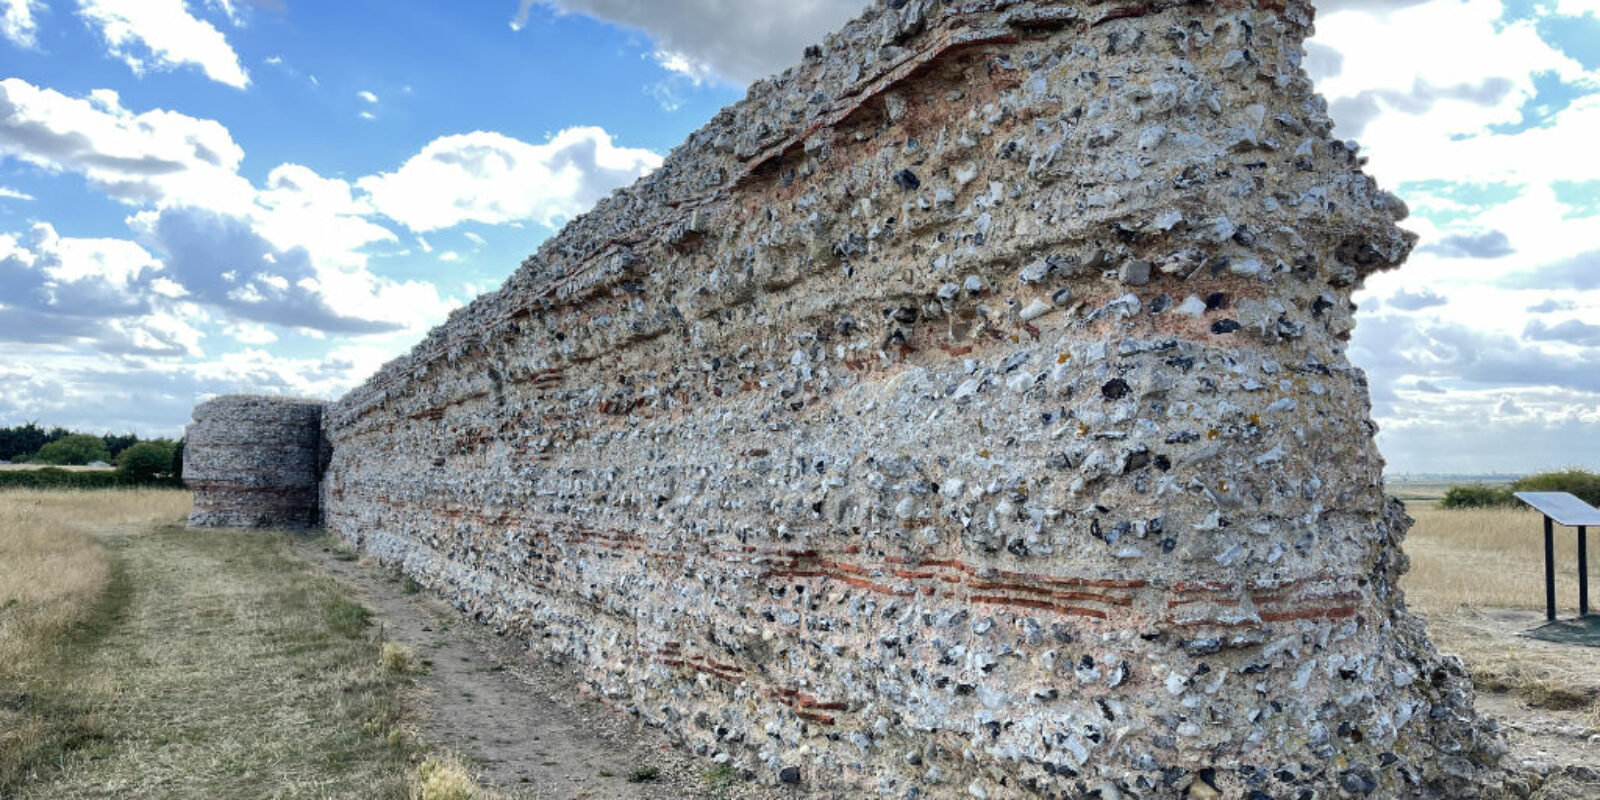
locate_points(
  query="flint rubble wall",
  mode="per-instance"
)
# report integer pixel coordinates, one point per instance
(966, 410)
(254, 462)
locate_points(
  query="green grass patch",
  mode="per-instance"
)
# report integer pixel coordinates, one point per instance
(347, 617)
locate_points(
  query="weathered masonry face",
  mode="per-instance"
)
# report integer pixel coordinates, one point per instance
(965, 410)
(254, 462)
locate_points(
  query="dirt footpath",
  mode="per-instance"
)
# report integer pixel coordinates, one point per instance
(534, 731)
(527, 728)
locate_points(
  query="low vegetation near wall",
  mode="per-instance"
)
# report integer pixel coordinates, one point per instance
(56, 478)
(1581, 483)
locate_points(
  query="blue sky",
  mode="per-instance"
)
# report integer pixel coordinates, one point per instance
(210, 196)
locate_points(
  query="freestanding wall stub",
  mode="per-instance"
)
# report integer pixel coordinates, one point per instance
(254, 462)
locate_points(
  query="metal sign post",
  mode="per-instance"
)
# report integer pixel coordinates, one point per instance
(1561, 508)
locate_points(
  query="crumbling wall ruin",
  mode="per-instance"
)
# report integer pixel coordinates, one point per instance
(965, 411)
(254, 462)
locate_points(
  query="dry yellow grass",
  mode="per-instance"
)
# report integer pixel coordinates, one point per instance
(140, 659)
(1468, 567)
(51, 576)
(1486, 557)
(399, 658)
(52, 570)
(447, 777)
(54, 579)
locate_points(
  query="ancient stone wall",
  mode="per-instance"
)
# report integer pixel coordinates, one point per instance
(254, 462)
(966, 410)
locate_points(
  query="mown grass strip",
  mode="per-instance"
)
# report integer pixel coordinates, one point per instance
(209, 664)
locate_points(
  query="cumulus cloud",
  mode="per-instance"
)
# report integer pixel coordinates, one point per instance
(737, 40)
(154, 395)
(1323, 61)
(1396, 349)
(1571, 331)
(493, 178)
(73, 277)
(1457, 375)
(101, 292)
(137, 158)
(1445, 73)
(1353, 113)
(1552, 305)
(224, 262)
(162, 34)
(17, 23)
(1409, 301)
(1580, 272)
(293, 252)
(300, 208)
(1490, 244)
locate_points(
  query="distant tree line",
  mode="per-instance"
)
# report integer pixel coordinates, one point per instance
(1583, 484)
(139, 462)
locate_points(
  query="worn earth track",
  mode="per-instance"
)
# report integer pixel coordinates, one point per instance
(530, 729)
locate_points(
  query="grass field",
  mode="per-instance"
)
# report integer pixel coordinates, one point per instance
(1469, 565)
(1486, 557)
(141, 660)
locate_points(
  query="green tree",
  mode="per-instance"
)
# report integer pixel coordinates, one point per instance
(146, 462)
(1582, 483)
(1479, 497)
(20, 441)
(76, 448)
(116, 443)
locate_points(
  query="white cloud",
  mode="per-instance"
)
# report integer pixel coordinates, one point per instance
(300, 208)
(493, 178)
(296, 248)
(738, 40)
(250, 333)
(1439, 84)
(1480, 352)
(367, 115)
(312, 279)
(153, 395)
(95, 292)
(146, 158)
(695, 71)
(13, 194)
(367, 96)
(17, 23)
(1578, 8)
(230, 9)
(162, 34)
